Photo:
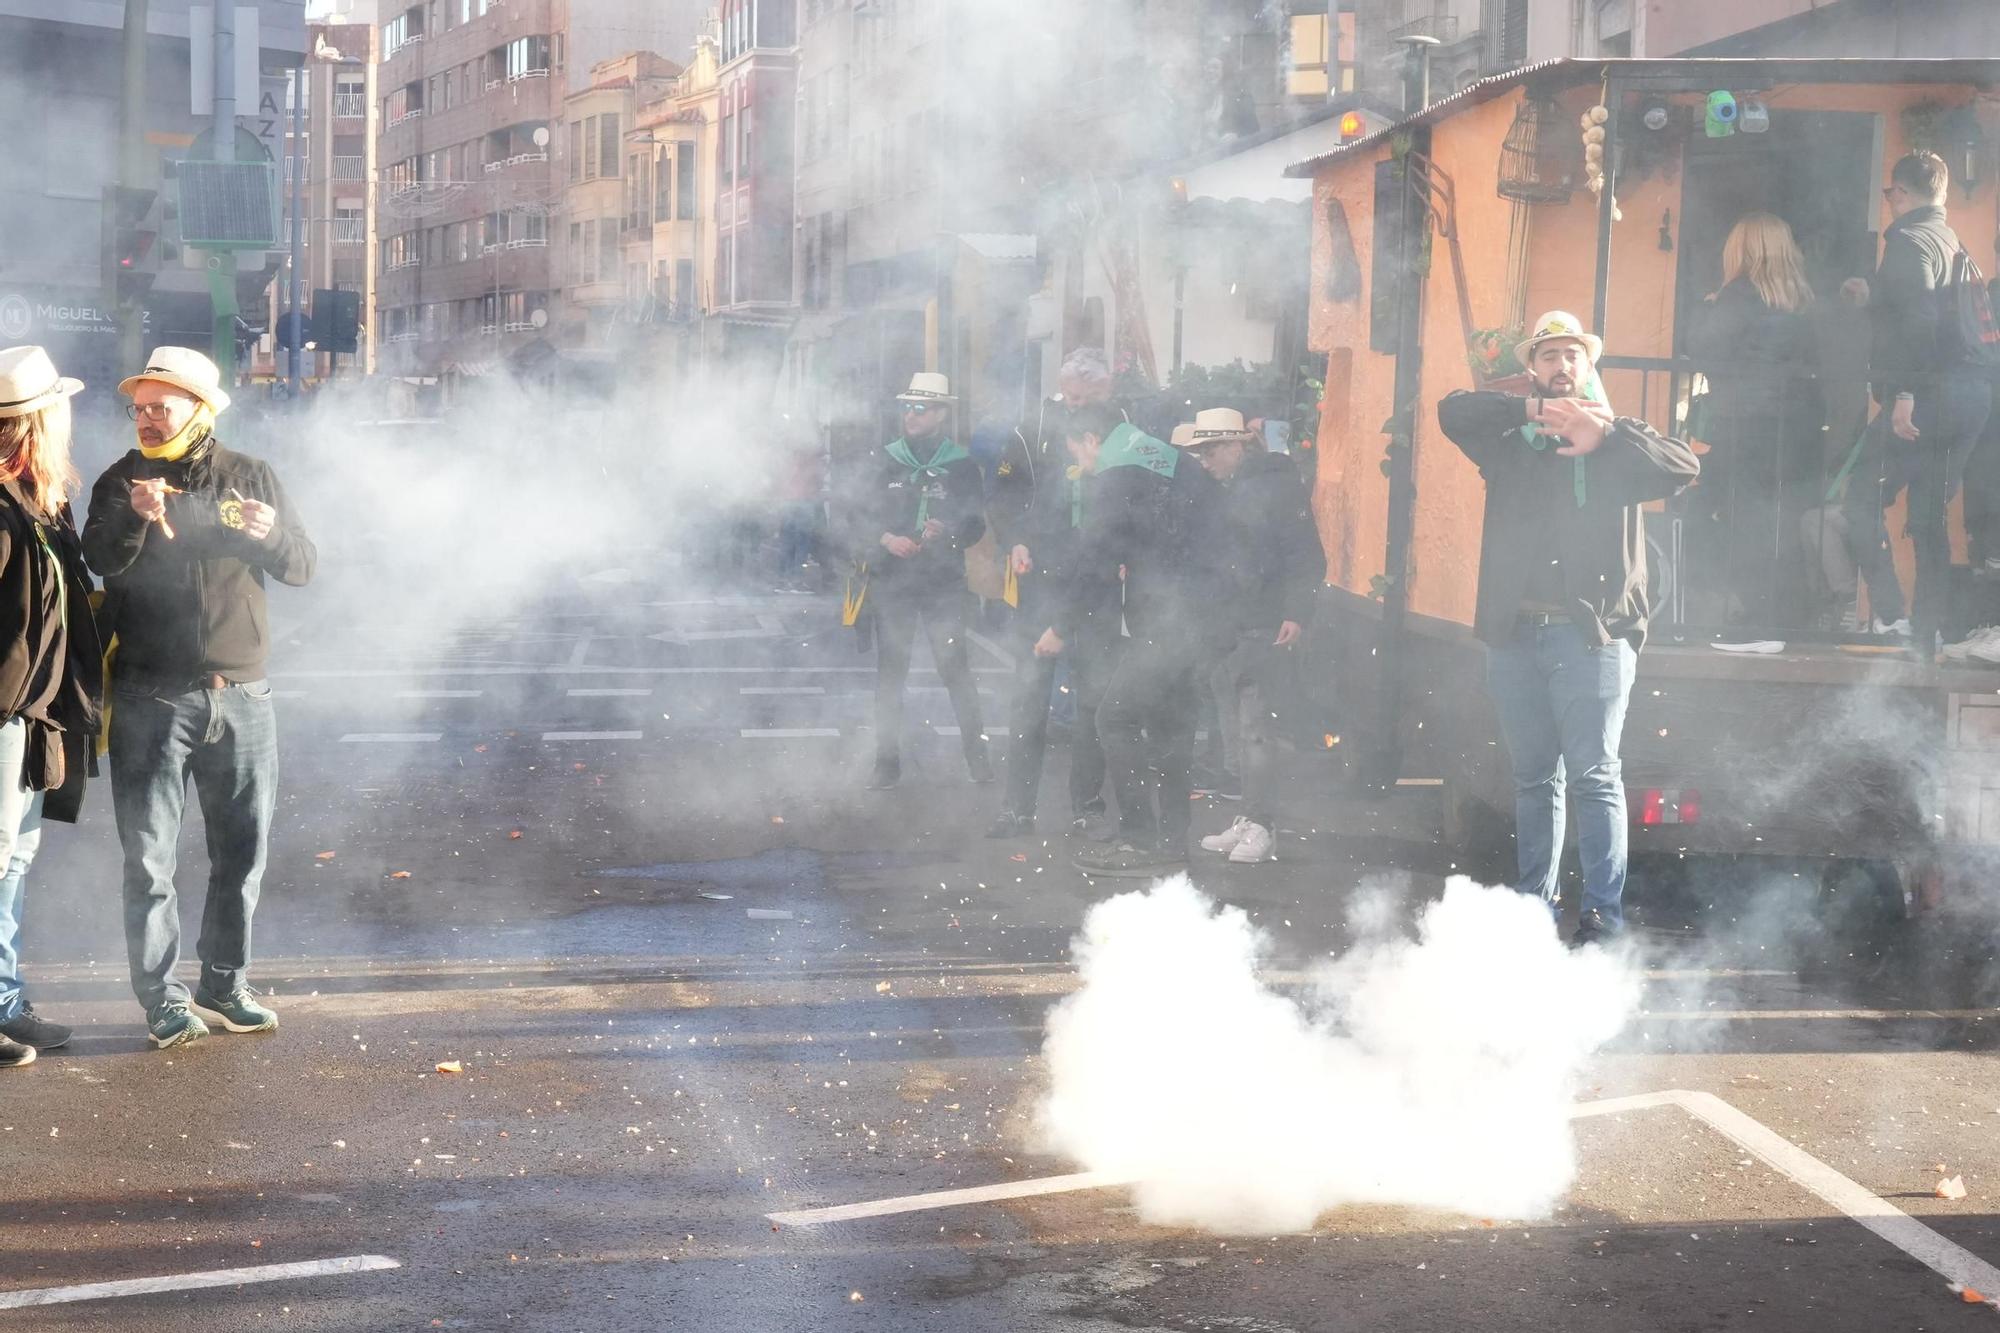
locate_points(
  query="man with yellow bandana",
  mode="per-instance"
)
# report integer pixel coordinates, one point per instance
(185, 533)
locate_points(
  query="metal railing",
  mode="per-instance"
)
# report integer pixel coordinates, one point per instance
(351, 106)
(1444, 27)
(347, 167)
(518, 75)
(533, 155)
(349, 231)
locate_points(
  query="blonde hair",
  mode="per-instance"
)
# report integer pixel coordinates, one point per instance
(1760, 247)
(34, 449)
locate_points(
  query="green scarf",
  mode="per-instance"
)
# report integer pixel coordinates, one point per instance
(1128, 446)
(947, 452)
(1593, 389)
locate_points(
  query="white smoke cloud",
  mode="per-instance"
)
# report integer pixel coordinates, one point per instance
(1436, 1071)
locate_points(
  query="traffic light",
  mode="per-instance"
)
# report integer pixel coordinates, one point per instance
(130, 238)
(336, 320)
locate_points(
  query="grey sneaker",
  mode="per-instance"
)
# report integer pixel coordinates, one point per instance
(31, 1029)
(13, 1053)
(237, 1011)
(1132, 861)
(173, 1024)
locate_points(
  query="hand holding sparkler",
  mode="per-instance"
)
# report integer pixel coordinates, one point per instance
(149, 501)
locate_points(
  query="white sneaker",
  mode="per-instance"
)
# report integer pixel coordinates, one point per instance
(1253, 847)
(1898, 628)
(1850, 620)
(1979, 638)
(1226, 840)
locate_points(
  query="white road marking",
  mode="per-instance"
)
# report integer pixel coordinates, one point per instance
(916, 1203)
(1420, 782)
(439, 694)
(782, 689)
(593, 735)
(610, 694)
(766, 914)
(220, 1277)
(577, 654)
(786, 733)
(390, 737)
(1953, 1262)
(414, 672)
(1001, 653)
(984, 731)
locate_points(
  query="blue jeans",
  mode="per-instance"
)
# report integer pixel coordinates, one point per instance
(1562, 710)
(227, 741)
(20, 838)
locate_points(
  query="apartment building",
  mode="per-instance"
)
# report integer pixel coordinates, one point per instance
(670, 252)
(608, 174)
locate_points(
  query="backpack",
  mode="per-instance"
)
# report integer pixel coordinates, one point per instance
(1969, 320)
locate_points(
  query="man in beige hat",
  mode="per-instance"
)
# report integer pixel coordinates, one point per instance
(1562, 602)
(185, 533)
(913, 514)
(1273, 566)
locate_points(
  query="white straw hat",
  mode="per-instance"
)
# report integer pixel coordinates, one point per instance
(29, 382)
(185, 369)
(1213, 424)
(927, 386)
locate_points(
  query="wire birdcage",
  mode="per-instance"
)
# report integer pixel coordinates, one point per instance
(1538, 158)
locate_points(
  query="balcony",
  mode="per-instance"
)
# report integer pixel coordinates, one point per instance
(411, 114)
(537, 155)
(518, 75)
(1444, 27)
(403, 265)
(350, 169)
(349, 231)
(350, 106)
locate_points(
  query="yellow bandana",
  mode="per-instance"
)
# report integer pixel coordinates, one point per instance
(198, 428)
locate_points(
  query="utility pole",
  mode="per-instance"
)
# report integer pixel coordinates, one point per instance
(132, 165)
(222, 263)
(297, 157)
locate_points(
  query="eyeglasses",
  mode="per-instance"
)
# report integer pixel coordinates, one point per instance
(157, 411)
(918, 409)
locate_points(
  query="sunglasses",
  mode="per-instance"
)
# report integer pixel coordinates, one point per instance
(157, 411)
(918, 409)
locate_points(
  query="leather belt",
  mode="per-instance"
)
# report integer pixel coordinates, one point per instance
(1542, 619)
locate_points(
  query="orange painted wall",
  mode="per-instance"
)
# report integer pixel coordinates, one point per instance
(1351, 496)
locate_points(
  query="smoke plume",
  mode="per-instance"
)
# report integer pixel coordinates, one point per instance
(1434, 1071)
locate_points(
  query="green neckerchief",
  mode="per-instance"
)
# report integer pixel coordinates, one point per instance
(1593, 389)
(947, 452)
(1128, 446)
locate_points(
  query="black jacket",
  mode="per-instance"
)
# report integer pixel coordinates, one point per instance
(1031, 503)
(1531, 509)
(1759, 362)
(882, 497)
(1271, 555)
(51, 666)
(1907, 302)
(1164, 532)
(192, 605)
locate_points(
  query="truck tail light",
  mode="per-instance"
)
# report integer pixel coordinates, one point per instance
(1669, 805)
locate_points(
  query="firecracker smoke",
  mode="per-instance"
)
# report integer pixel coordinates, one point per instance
(1433, 1071)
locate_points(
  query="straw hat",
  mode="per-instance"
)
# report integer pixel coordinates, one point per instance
(185, 369)
(1559, 324)
(927, 386)
(1213, 425)
(29, 383)
(1183, 435)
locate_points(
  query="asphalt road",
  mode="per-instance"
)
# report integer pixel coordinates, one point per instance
(610, 852)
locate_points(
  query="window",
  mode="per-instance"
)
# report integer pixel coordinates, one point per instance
(575, 151)
(663, 185)
(1308, 74)
(578, 263)
(607, 249)
(687, 194)
(608, 142)
(468, 81)
(590, 143)
(684, 284)
(350, 95)
(526, 57)
(348, 224)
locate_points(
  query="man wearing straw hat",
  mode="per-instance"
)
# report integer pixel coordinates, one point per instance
(185, 533)
(1562, 602)
(1274, 564)
(918, 513)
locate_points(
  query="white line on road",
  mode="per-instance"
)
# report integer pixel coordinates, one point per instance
(439, 694)
(916, 1203)
(221, 1277)
(610, 694)
(593, 735)
(1953, 1262)
(414, 672)
(783, 689)
(984, 731)
(390, 737)
(786, 733)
